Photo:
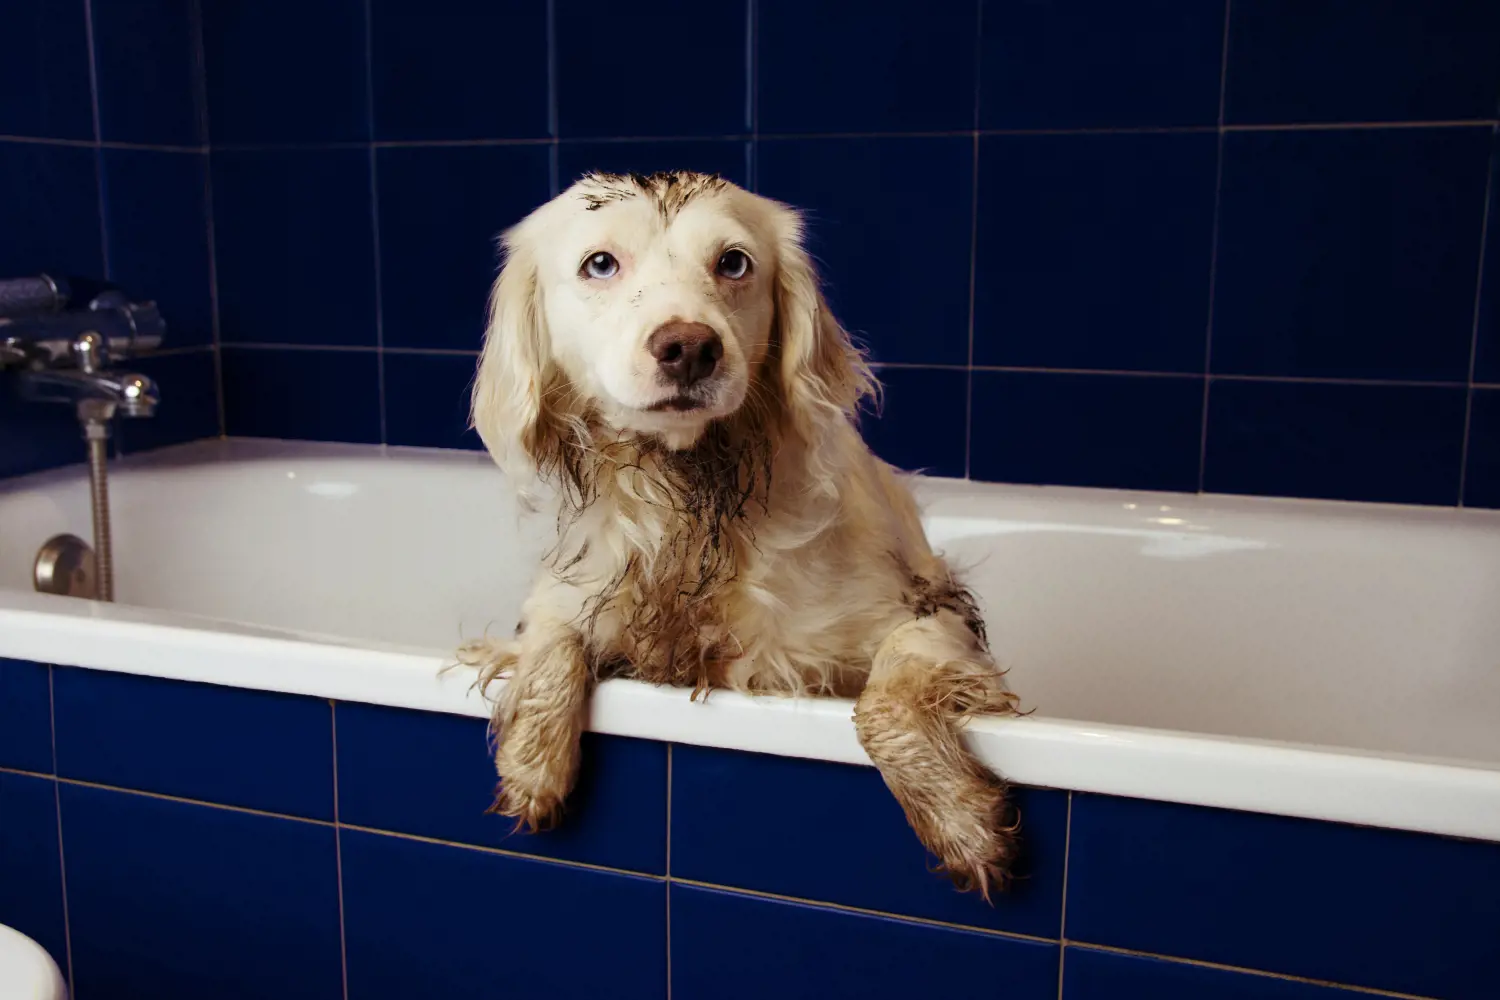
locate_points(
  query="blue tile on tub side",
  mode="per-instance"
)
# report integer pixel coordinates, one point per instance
(826, 67)
(897, 278)
(433, 920)
(797, 952)
(256, 749)
(147, 63)
(1380, 909)
(49, 210)
(1093, 251)
(1336, 441)
(156, 206)
(1482, 477)
(725, 157)
(1349, 254)
(688, 57)
(171, 900)
(308, 395)
(1091, 974)
(189, 408)
(25, 716)
(1387, 61)
(441, 213)
(284, 71)
(1098, 64)
(1116, 431)
(44, 77)
(436, 75)
(730, 827)
(427, 400)
(31, 893)
(295, 246)
(919, 425)
(432, 775)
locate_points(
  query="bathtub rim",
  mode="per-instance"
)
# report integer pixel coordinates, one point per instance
(1333, 784)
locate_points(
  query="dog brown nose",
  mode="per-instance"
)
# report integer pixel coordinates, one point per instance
(685, 353)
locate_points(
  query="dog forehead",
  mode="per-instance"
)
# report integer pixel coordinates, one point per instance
(622, 213)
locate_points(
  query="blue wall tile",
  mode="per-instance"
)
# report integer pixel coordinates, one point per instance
(156, 207)
(294, 244)
(433, 775)
(189, 407)
(1361, 60)
(727, 157)
(688, 57)
(896, 269)
(1123, 431)
(146, 56)
(797, 952)
(1090, 974)
(31, 894)
(430, 920)
(729, 827)
(1365, 907)
(316, 395)
(1094, 250)
(169, 900)
(922, 419)
(1349, 254)
(44, 77)
(441, 212)
(1482, 479)
(49, 210)
(827, 66)
(427, 400)
(244, 748)
(25, 716)
(1098, 64)
(286, 71)
(1487, 344)
(1397, 444)
(437, 72)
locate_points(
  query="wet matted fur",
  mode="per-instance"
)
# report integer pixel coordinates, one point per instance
(701, 530)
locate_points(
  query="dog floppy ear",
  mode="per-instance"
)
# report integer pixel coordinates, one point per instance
(823, 375)
(512, 388)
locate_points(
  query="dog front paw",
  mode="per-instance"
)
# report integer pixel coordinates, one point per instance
(534, 809)
(974, 837)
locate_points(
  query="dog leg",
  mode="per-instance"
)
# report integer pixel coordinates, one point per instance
(538, 721)
(928, 675)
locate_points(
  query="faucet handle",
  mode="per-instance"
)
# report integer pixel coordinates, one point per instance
(91, 351)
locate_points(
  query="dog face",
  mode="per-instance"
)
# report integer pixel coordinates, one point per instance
(655, 306)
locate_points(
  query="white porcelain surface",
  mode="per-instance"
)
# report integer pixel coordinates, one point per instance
(27, 972)
(1337, 661)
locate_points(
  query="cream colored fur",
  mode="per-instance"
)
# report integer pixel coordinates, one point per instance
(754, 543)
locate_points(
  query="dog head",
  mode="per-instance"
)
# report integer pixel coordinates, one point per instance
(654, 306)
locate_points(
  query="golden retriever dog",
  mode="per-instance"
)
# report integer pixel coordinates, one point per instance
(661, 359)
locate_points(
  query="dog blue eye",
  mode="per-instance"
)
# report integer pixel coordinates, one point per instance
(601, 265)
(733, 264)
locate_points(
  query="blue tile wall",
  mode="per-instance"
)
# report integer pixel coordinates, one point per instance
(231, 877)
(103, 174)
(1236, 199)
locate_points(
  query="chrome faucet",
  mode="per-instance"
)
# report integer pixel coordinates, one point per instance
(80, 376)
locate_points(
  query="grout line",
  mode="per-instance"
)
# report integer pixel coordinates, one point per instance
(258, 346)
(502, 852)
(88, 26)
(146, 147)
(168, 352)
(1062, 920)
(1243, 970)
(752, 95)
(1213, 252)
(1360, 126)
(62, 860)
(201, 102)
(1484, 231)
(182, 800)
(973, 240)
(338, 845)
(554, 158)
(863, 911)
(375, 219)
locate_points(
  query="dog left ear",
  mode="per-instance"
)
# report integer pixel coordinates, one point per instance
(823, 374)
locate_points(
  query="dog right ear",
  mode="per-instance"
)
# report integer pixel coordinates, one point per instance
(510, 396)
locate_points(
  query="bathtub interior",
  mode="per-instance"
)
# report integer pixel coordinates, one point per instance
(1344, 625)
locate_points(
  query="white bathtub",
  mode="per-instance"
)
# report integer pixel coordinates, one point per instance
(1333, 661)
